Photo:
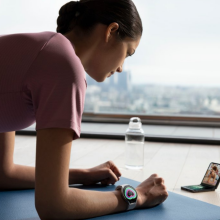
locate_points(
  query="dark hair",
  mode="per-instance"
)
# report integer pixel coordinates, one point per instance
(85, 14)
(215, 168)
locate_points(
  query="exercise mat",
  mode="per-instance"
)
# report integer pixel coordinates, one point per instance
(19, 205)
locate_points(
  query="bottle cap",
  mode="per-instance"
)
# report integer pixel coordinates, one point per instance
(135, 122)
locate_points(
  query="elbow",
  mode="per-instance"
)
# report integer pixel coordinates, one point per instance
(4, 180)
(47, 209)
(50, 207)
(2, 185)
(42, 210)
(1, 181)
(6, 175)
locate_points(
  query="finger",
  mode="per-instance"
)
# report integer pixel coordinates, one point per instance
(114, 168)
(158, 181)
(163, 187)
(109, 177)
(164, 196)
(112, 178)
(154, 175)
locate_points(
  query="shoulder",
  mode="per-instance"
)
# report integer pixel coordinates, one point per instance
(57, 63)
(59, 53)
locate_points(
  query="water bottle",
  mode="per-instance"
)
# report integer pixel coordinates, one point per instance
(134, 149)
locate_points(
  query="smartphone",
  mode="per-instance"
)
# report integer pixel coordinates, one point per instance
(209, 182)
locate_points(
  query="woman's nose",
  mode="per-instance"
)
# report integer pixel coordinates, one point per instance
(119, 69)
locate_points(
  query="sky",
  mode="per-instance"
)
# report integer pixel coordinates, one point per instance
(180, 44)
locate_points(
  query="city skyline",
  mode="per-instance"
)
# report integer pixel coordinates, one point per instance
(151, 99)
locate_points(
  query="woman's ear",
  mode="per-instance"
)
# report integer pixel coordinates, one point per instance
(111, 29)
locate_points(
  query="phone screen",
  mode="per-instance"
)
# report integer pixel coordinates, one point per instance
(212, 174)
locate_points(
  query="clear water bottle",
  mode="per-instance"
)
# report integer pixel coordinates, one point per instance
(134, 149)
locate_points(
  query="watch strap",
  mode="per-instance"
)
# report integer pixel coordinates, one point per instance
(131, 206)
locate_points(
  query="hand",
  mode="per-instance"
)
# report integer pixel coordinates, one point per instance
(151, 192)
(106, 173)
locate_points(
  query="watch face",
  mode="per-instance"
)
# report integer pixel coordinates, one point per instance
(130, 194)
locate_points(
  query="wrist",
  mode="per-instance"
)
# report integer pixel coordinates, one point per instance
(139, 202)
(123, 205)
(77, 176)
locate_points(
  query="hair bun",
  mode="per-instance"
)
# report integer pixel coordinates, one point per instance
(83, 15)
(66, 14)
(68, 7)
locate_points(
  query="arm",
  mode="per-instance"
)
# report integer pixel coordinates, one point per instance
(23, 177)
(15, 176)
(53, 197)
(19, 177)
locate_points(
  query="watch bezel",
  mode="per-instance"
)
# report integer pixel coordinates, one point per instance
(130, 205)
(123, 193)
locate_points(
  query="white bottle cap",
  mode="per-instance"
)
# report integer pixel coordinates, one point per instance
(135, 122)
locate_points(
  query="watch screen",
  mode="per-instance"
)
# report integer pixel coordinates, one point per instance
(130, 194)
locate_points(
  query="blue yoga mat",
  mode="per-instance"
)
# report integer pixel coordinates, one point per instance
(19, 204)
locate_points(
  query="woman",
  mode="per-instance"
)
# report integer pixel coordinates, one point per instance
(212, 175)
(43, 80)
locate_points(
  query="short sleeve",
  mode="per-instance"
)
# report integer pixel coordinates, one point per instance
(57, 84)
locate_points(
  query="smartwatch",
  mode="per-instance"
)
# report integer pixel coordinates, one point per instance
(129, 194)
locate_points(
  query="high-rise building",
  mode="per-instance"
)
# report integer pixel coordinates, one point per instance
(124, 80)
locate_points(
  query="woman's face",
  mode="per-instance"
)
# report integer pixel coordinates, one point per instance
(109, 53)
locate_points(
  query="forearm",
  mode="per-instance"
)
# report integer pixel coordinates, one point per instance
(94, 203)
(83, 204)
(23, 177)
(19, 177)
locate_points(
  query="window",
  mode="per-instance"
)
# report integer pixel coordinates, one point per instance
(174, 71)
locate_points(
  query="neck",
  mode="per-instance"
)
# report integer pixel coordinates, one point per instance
(83, 47)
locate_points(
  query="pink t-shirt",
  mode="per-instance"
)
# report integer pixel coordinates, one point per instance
(42, 80)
